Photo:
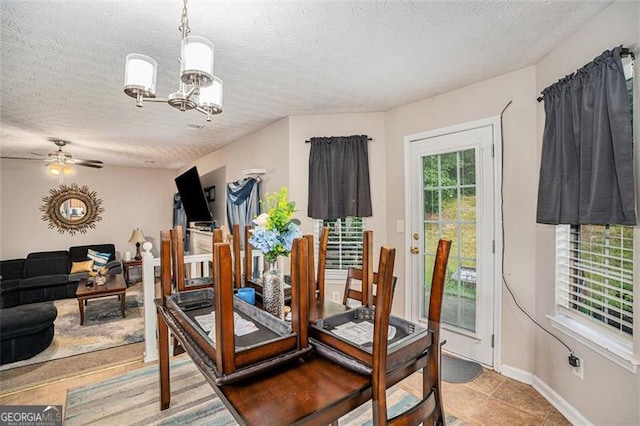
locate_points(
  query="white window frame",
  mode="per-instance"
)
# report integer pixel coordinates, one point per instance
(332, 275)
(590, 332)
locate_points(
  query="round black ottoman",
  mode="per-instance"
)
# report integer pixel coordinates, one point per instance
(25, 330)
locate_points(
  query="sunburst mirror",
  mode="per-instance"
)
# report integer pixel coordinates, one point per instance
(72, 209)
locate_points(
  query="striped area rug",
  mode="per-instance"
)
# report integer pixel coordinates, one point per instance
(132, 399)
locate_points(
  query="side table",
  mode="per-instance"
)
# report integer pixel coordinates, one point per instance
(126, 264)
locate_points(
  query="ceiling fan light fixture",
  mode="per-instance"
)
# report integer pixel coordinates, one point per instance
(196, 74)
(55, 169)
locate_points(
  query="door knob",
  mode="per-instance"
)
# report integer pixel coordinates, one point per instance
(415, 250)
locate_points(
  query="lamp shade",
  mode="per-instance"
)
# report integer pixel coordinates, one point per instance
(210, 97)
(196, 65)
(140, 76)
(137, 236)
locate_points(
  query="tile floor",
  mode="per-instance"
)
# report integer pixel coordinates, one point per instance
(491, 399)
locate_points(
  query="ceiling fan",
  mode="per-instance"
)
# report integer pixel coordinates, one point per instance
(63, 158)
(60, 162)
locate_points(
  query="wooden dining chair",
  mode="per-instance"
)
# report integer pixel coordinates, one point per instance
(351, 293)
(316, 290)
(429, 411)
(365, 294)
(180, 280)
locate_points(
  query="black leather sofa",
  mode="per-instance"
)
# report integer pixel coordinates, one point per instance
(45, 276)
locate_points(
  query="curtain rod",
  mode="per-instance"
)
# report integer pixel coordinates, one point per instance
(624, 52)
(308, 140)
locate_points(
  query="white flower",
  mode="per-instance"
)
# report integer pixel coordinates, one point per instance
(261, 220)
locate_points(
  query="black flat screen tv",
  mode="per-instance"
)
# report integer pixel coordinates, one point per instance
(192, 196)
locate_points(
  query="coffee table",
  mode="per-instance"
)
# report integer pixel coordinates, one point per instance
(114, 286)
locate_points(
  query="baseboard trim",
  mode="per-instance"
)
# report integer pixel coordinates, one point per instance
(561, 404)
(516, 374)
(548, 393)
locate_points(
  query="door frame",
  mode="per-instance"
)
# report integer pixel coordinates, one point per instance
(496, 125)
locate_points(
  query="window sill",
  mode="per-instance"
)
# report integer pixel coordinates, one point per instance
(603, 344)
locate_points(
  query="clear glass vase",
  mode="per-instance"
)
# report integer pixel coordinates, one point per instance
(273, 291)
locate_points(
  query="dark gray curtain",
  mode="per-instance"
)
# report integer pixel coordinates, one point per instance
(339, 177)
(586, 171)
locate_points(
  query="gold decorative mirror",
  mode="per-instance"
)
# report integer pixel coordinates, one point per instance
(72, 209)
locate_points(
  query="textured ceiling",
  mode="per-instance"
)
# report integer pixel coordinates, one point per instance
(63, 65)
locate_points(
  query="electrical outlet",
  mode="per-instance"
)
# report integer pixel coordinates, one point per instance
(579, 370)
(335, 296)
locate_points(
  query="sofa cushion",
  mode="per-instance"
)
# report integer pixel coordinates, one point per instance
(79, 253)
(77, 276)
(9, 294)
(99, 259)
(114, 267)
(27, 319)
(7, 286)
(44, 281)
(47, 254)
(11, 269)
(85, 266)
(46, 266)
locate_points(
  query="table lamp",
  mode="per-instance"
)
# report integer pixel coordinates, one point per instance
(137, 237)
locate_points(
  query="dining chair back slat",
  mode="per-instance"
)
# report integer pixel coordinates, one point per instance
(319, 283)
(351, 293)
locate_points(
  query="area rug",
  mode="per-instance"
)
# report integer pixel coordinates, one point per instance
(458, 370)
(104, 327)
(132, 399)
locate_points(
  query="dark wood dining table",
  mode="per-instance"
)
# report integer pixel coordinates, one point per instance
(311, 390)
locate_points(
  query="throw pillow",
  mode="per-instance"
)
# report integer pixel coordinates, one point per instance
(99, 259)
(85, 266)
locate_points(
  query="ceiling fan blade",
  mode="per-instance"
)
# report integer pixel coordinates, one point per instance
(88, 161)
(95, 166)
(22, 158)
(41, 155)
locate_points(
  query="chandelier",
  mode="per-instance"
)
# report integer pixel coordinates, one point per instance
(199, 89)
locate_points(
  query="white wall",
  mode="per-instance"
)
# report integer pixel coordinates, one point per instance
(608, 394)
(481, 100)
(131, 197)
(265, 149)
(217, 178)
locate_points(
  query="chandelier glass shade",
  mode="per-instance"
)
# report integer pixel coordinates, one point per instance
(211, 96)
(198, 88)
(196, 67)
(140, 76)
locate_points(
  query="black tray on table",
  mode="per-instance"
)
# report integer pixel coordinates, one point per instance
(408, 340)
(272, 344)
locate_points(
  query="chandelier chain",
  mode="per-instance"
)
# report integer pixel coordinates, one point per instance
(184, 22)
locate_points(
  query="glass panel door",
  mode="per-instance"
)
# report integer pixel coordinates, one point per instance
(449, 187)
(451, 195)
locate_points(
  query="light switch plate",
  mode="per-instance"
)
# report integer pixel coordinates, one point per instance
(400, 226)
